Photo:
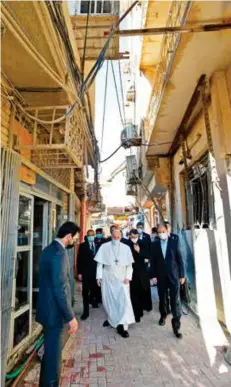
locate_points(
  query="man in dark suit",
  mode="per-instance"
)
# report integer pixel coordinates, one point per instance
(86, 267)
(99, 241)
(174, 236)
(99, 237)
(54, 301)
(140, 283)
(143, 236)
(168, 272)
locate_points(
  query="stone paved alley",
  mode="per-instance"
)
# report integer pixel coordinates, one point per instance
(152, 356)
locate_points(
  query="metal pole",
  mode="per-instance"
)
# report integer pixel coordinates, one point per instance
(173, 30)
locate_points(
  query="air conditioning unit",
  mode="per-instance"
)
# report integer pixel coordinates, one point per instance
(132, 170)
(131, 190)
(129, 136)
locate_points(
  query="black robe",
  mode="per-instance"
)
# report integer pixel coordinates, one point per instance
(140, 284)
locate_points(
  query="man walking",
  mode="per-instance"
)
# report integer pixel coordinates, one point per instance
(114, 273)
(99, 237)
(167, 271)
(140, 284)
(86, 267)
(54, 301)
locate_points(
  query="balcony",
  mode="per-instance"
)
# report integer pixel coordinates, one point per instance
(177, 15)
(103, 14)
(60, 145)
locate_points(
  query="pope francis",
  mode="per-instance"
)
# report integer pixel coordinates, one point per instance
(114, 273)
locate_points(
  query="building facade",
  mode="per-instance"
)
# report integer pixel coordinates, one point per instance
(47, 144)
(187, 128)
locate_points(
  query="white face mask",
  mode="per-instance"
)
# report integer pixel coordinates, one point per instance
(163, 236)
(134, 240)
(140, 230)
(153, 237)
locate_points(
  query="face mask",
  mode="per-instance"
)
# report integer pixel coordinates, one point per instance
(90, 239)
(140, 230)
(163, 236)
(134, 240)
(99, 236)
(153, 237)
(115, 242)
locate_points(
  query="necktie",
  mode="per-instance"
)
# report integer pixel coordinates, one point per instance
(93, 247)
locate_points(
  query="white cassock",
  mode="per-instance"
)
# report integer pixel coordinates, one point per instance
(114, 266)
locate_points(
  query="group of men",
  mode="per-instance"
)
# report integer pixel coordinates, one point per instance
(117, 271)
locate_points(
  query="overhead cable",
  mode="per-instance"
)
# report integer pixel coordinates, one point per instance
(122, 91)
(85, 38)
(117, 94)
(97, 66)
(104, 105)
(103, 161)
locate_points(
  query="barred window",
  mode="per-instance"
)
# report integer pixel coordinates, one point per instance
(199, 195)
(100, 7)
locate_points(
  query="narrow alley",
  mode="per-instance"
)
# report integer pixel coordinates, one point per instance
(115, 173)
(152, 356)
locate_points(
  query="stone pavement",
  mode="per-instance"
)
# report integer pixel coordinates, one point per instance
(152, 356)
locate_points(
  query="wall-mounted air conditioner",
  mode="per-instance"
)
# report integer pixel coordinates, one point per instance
(129, 136)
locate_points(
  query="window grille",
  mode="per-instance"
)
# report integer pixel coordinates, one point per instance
(99, 7)
(199, 195)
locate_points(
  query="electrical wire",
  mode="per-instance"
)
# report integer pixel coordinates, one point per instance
(104, 106)
(122, 91)
(117, 94)
(97, 66)
(103, 161)
(85, 38)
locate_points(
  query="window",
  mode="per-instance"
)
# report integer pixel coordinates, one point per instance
(24, 221)
(199, 195)
(100, 7)
(22, 273)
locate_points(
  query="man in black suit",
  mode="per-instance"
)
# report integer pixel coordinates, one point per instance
(168, 272)
(143, 236)
(174, 236)
(54, 301)
(99, 237)
(86, 267)
(140, 283)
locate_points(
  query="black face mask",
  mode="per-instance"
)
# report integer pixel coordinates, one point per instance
(69, 247)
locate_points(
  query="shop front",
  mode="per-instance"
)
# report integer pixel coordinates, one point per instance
(40, 214)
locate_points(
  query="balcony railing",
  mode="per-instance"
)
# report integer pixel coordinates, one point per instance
(59, 145)
(177, 16)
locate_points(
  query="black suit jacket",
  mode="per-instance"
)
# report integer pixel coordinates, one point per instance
(54, 299)
(172, 266)
(146, 239)
(100, 242)
(86, 265)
